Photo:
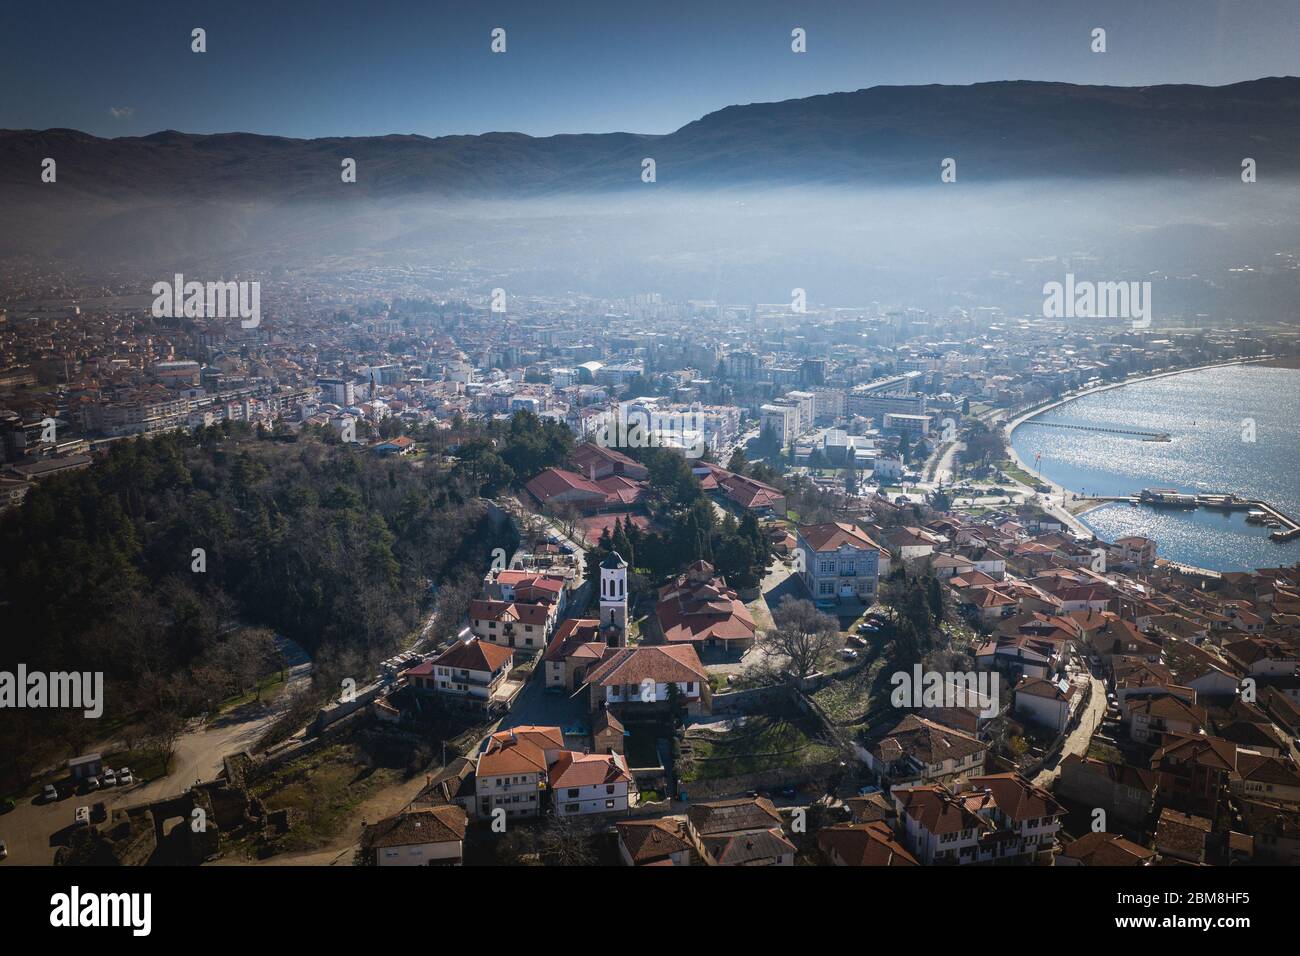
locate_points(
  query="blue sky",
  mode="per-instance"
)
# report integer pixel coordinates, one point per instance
(298, 68)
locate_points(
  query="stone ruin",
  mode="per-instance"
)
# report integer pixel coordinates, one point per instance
(139, 835)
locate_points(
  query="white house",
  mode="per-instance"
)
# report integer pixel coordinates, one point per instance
(637, 678)
(511, 624)
(591, 783)
(511, 771)
(1044, 702)
(1000, 818)
(426, 836)
(474, 672)
(838, 560)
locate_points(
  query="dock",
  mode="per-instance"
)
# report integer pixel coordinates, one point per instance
(1145, 436)
(1259, 511)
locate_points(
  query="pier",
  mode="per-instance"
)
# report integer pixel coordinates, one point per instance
(1145, 436)
(1162, 497)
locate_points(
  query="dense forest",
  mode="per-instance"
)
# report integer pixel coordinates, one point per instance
(170, 565)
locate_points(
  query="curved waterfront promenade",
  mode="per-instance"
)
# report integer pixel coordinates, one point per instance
(1061, 491)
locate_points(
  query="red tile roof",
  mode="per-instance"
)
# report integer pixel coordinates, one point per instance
(474, 655)
(834, 534)
(664, 664)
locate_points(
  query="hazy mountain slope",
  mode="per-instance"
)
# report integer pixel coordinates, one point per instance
(891, 135)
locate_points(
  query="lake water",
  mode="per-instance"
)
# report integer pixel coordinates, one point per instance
(1234, 429)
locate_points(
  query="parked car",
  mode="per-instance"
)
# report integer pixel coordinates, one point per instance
(49, 794)
(847, 653)
(125, 777)
(4, 850)
(82, 817)
(99, 812)
(856, 641)
(110, 778)
(91, 784)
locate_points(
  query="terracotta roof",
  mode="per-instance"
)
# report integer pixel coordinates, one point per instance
(925, 741)
(481, 610)
(588, 770)
(521, 750)
(864, 844)
(1037, 687)
(666, 664)
(1206, 751)
(729, 816)
(473, 655)
(697, 611)
(557, 481)
(1017, 797)
(441, 824)
(1107, 849)
(1182, 832)
(739, 849)
(938, 811)
(590, 454)
(573, 635)
(832, 535)
(648, 840)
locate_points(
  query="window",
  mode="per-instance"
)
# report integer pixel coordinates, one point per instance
(573, 792)
(609, 804)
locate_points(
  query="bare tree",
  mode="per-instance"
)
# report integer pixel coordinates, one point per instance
(565, 843)
(454, 597)
(164, 727)
(802, 635)
(567, 514)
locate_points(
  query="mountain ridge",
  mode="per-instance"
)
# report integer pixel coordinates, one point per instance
(1010, 129)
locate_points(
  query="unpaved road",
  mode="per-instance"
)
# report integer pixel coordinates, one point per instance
(1080, 737)
(34, 829)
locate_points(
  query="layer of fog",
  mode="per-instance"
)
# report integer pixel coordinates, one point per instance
(1211, 247)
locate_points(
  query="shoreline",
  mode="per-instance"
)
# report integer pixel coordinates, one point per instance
(1072, 518)
(1073, 397)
